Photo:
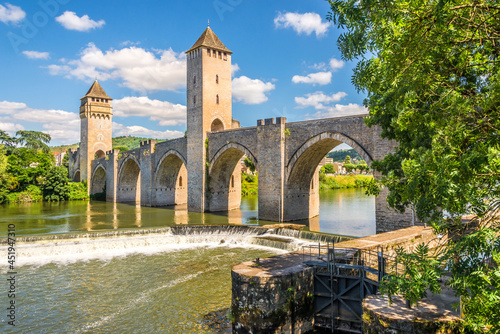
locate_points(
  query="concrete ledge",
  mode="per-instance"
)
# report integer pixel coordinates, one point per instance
(433, 315)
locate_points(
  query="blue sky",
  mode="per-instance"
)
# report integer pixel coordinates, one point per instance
(285, 62)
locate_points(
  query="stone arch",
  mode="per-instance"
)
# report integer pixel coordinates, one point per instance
(217, 125)
(99, 154)
(237, 146)
(129, 181)
(76, 176)
(302, 179)
(98, 180)
(170, 178)
(225, 177)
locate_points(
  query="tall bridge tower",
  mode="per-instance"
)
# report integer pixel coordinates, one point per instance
(208, 108)
(96, 113)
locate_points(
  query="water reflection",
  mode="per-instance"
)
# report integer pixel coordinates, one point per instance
(345, 212)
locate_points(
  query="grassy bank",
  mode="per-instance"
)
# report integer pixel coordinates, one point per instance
(343, 181)
(249, 183)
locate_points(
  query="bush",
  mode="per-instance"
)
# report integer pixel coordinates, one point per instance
(55, 188)
(249, 184)
(77, 191)
(31, 194)
(344, 181)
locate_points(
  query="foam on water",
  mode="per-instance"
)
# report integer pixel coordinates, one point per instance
(64, 249)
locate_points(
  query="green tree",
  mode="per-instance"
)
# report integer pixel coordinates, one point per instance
(349, 167)
(29, 167)
(6, 140)
(249, 164)
(55, 186)
(432, 77)
(34, 140)
(327, 168)
(347, 160)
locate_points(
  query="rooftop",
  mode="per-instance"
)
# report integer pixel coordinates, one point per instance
(97, 91)
(209, 39)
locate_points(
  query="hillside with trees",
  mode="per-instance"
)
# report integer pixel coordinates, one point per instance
(123, 143)
(339, 156)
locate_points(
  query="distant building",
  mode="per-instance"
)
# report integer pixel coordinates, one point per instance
(325, 161)
(59, 157)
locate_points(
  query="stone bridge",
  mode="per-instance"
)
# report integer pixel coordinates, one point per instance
(286, 156)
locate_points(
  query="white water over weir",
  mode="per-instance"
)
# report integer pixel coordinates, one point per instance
(104, 245)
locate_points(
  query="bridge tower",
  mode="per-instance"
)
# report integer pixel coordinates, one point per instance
(96, 113)
(208, 108)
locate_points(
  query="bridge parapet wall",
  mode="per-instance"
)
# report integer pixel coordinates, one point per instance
(246, 137)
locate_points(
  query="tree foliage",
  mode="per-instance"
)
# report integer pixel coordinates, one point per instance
(55, 186)
(327, 168)
(432, 77)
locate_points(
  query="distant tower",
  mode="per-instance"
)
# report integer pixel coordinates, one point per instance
(95, 135)
(208, 107)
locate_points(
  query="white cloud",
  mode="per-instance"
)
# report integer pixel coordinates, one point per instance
(11, 127)
(10, 13)
(140, 70)
(341, 110)
(60, 124)
(71, 21)
(319, 78)
(135, 130)
(251, 91)
(319, 99)
(67, 132)
(336, 64)
(163, 111)
(325, 108)
(306, 23)
(234, 68)
(36, 54)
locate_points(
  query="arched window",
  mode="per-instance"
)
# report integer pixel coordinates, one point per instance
(180, 181)
(194, 80)
(232, 181)
(216, 78)
(217, 125)
(217, 99)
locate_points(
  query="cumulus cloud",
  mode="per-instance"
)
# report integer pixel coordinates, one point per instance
(325, 107)
(306, 23)
(319, 78)
(319, 99)
(60, 124)
(139, 69)
(10, 127)
(340, 110)
(251, 91)
(71, 21)
(36, 54)
(166, 113)
(336, 64)
(11, 14)
(234, 68)
(135, 130)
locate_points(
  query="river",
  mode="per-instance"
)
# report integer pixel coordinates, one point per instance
(92, 270)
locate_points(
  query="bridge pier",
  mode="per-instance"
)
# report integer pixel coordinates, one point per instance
(271, 157)
(147, 149)
(112, 175)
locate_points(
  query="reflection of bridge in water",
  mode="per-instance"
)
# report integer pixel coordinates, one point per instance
(203, 168)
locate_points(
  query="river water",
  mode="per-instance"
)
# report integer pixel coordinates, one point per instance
(115, 268)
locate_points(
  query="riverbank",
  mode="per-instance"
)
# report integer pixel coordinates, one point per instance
(77, 191)
(343, 181)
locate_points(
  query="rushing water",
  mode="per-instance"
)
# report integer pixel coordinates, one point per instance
(115, 268)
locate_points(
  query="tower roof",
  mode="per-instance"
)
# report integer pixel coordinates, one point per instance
(209, 39)
(97, 91)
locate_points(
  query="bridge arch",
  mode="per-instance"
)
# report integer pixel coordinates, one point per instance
(225, 176)
(302, 178)
(98, 180)
(129, 181)
(170, 180)
(99, 154)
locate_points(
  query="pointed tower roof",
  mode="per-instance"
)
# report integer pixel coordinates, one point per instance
(97, 91)
(209, 39)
